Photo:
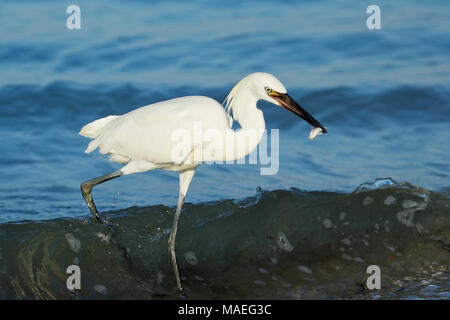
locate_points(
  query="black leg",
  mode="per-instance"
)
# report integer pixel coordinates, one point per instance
(86, 191)
(185, 180)
(172, 237)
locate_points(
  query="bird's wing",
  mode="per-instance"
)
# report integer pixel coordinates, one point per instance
(154, 132)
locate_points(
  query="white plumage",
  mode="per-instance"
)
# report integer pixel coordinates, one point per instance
(145, 134)
(145, 139)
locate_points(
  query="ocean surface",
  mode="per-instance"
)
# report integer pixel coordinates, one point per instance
(374, 191)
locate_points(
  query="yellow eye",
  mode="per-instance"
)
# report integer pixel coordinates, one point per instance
(268, 90)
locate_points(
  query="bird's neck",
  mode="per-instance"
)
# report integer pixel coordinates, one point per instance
(246, 139)
(246, 113)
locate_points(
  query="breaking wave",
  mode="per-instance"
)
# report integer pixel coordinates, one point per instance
(283, 244)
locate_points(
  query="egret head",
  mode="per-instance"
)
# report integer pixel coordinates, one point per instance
(265, 86)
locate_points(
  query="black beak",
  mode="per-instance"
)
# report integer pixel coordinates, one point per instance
(288, 103)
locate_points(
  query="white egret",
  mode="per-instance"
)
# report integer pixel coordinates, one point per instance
(143, 139)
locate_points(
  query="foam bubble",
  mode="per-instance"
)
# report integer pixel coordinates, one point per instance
(390, 200)
(283, 242)
(74, 243)
(406, 217)
(367, 201)
(104, 237)
(408, 204)
(262, 270)
(304, 269)
(101, 289)
(346, 256)
(327, 223)
(191, 258)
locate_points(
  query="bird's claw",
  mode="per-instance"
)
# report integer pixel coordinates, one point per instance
(183, 295)
(101, 220)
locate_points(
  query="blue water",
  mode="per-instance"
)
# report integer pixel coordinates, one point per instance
(383, 95)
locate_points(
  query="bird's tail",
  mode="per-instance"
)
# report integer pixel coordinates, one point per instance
(93, 129)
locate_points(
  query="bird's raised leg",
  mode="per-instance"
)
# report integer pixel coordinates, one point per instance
(185, 179)
(86, 191)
